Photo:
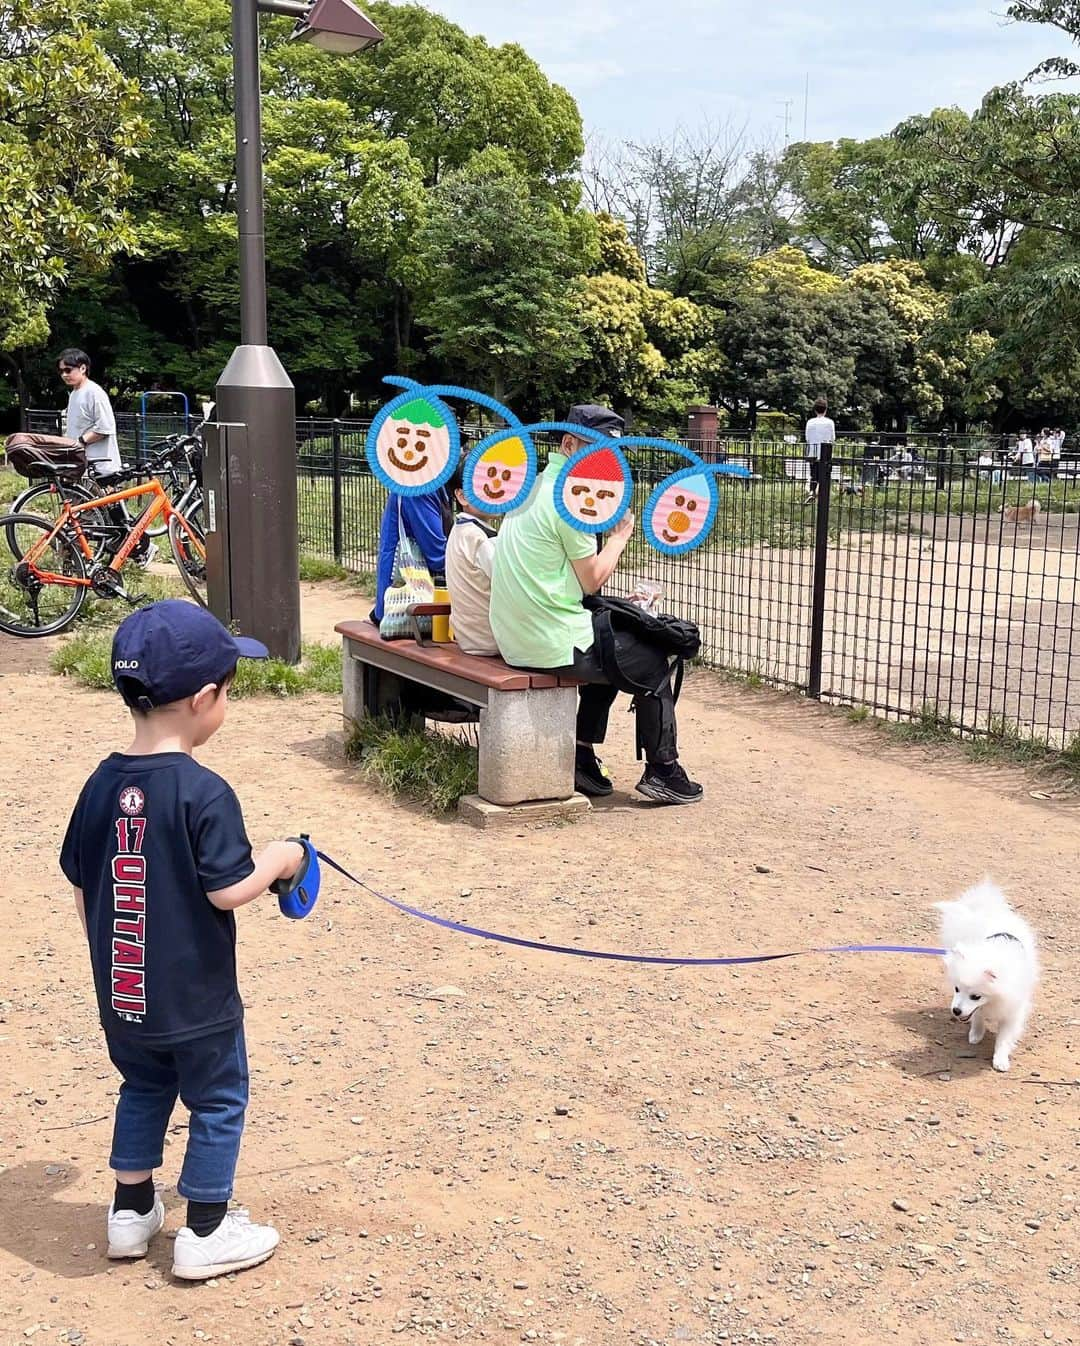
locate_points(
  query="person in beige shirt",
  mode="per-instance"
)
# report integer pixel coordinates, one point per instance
(470, 554)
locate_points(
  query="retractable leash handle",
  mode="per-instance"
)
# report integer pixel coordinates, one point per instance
(297, 896)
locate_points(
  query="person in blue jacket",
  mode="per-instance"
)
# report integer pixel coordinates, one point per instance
(427, 519)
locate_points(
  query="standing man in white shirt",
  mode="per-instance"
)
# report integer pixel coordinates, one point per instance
(1025, 454)
(819, 430)
(90, 422)
(1056, 442)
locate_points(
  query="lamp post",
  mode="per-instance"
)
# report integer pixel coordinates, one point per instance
(254, 390)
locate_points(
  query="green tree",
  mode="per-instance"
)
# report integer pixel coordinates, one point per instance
(499, 292)
(1061, 14)
(639, 340)
(353, 150)
(68, 130)
(861, 201)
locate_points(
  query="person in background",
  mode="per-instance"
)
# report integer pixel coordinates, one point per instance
(427, 519)
(1024, 455)
(90, 422)
(1057, 440)
(819, 430)
(1044, 454)
(989, 474)
(470, 556)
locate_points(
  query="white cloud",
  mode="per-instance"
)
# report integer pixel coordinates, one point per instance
(639, 68)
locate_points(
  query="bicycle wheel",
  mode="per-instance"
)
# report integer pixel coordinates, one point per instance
(189, 552)
(31, 605)
(46, 499)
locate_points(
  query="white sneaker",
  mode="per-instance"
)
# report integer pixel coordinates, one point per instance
(235, 1244)
(146, 559)
(130, 1233)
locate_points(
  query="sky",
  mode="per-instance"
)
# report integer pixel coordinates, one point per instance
(641, 68)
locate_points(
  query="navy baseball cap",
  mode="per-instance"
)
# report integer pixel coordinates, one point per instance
(603, 419)
(169, 650)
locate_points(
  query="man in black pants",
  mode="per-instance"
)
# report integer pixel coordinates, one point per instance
(543, 566)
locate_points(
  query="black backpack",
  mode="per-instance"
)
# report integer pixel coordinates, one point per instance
(666, 642)
(674, 635)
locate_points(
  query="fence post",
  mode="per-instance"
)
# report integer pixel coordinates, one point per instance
(821, 548)
(335, 465)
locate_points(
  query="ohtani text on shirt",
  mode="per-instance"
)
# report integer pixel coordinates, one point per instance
(129, 921)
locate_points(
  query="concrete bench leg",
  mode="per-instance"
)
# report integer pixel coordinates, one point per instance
(527, 745)
(353, 705)
(367, 690)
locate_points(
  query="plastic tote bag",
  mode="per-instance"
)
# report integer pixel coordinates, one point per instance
(410, 583)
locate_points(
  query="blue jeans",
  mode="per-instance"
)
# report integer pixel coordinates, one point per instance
(210, 1076)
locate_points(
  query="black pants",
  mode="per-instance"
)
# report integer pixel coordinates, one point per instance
(656, 729)
(116, 514)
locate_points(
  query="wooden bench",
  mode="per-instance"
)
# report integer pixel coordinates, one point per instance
(527, 720)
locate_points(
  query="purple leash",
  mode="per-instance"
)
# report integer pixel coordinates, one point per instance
(618, 957)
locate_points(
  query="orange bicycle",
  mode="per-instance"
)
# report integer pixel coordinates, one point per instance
(57, 562)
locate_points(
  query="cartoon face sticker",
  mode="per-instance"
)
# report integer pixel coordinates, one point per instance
(413, 444)
(593, 490)
(680, 512)
(500, 472)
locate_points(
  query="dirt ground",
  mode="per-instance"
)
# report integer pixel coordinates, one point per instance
(460, 1140)
(975, 617)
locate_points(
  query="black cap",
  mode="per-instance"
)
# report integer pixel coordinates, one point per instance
(593, 417)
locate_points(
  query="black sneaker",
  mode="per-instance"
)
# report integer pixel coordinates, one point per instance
(669, 785)
(590, 775)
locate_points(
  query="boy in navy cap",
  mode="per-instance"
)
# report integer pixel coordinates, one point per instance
(159, 859)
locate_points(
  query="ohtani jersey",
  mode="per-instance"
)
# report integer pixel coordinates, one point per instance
(149, 838)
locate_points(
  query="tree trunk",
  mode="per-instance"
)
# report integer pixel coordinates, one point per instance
(15, 361)
(498, 386)
(397, 329)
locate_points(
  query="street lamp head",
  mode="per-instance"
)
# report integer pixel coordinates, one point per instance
(337, 26)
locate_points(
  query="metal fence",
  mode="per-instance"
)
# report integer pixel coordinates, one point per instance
(910, 585)
(135, 431)
(905, 586)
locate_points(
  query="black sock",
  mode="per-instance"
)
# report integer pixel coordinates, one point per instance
(203, 1217)
(136, 1196)
(661, 768)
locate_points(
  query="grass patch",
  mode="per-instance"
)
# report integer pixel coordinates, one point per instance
(319, 670)
(321, 568)
(434, 769)
(316, 568)
(99, 613)
(86, 657)
(1003, 743)
(930, 725)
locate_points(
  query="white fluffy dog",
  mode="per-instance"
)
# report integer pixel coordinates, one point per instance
(992, 966)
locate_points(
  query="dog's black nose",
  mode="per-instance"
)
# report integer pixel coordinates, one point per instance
(956, 1012)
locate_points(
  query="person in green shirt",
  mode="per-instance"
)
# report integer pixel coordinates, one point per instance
(543, 566)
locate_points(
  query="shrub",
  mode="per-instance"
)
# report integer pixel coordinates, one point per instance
(435, 769)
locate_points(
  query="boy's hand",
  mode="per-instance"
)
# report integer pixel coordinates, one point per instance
(279, 862)
(292, 857)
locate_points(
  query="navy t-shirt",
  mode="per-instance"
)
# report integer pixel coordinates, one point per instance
(149, 838)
